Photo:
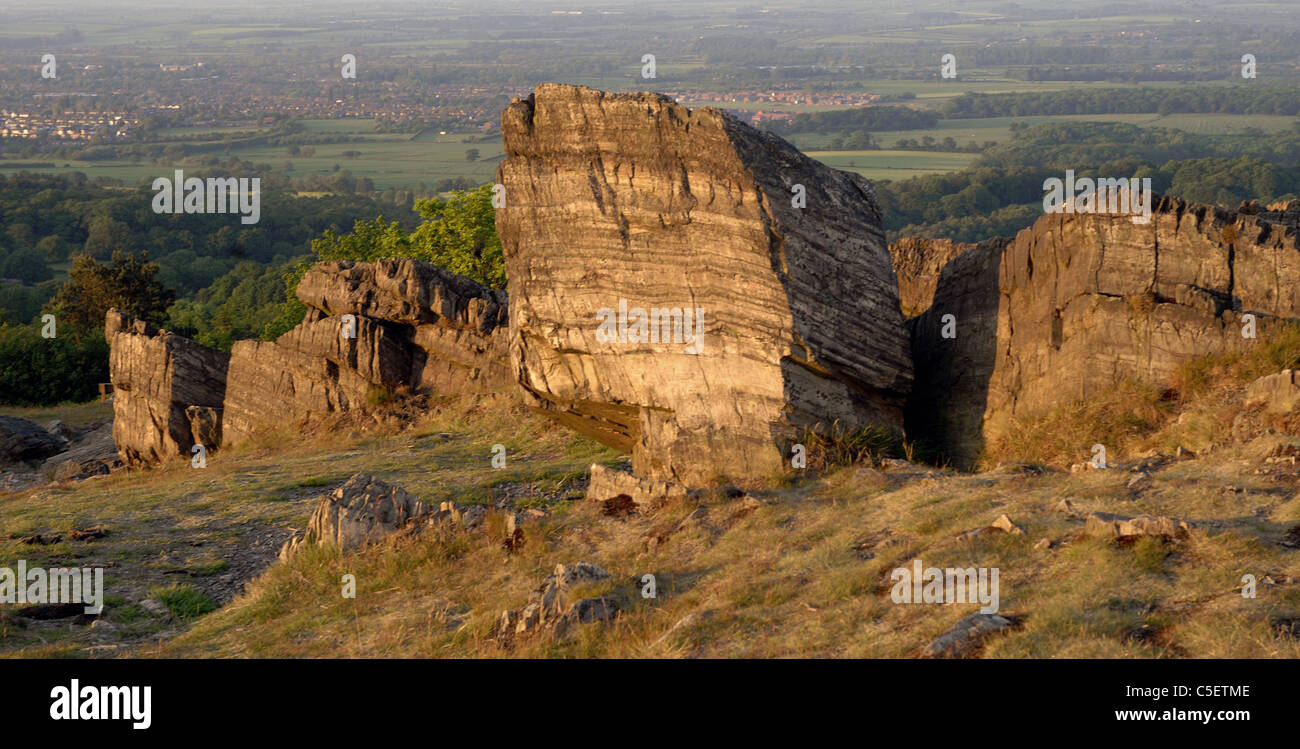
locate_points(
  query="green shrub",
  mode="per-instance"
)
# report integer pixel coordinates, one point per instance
(37, 371)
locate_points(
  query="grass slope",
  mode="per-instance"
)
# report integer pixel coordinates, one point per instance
(805, 572)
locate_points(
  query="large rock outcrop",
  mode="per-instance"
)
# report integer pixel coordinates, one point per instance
(623, 203)
(375, 332)
(156, 376)
(1078, 302)
(454, 327)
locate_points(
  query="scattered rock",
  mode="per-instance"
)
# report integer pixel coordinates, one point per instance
(22, 440)
(1118, 526)
(1139, 482)
(1003, 523)
(966, 636)
(469, 517)
(92, 533)
(609, 483)
(1276, 393)
(549, 606)
(364, 510)
(103, 628)
(589, 610)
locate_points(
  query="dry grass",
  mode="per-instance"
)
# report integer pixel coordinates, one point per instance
(806, 573)
(1196, 412)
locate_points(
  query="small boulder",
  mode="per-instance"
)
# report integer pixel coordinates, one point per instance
(22, 440)
(966, 636)
(1276, 393)
(362, 511)
(611, 484)
(1117, 526)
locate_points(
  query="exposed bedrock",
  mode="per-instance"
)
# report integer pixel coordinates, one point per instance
(1076, 303)
(658, 221)
(156, 376)
(375, 334)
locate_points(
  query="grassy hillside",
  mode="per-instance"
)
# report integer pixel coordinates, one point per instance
(801, 570)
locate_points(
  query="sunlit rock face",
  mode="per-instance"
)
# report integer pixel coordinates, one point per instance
(690, 290)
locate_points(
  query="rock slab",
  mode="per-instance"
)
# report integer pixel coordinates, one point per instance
(631, 210)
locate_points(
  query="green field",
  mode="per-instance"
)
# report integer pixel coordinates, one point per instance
(882, 165)
(998, 129)
(392, 160)
(403, 160)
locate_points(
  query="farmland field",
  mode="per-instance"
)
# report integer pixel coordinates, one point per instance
(881, 165)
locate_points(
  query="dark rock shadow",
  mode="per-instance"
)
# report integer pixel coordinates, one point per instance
(953, 359)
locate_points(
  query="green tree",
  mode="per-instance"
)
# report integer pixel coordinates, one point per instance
(458, 233)
(28, 266)
(46, 371)
(128, 283)
(54, 248)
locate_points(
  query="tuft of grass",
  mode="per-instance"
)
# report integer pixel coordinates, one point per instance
(184, 601)
(838, 446)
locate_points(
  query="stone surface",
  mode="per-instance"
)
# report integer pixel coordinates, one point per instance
(1076, 303)
(550, 605)
(454, 328)
(22, 440)
(93, 455)
(966, 636)
(633, 199)
(1276, 393)
(608, 483)
(271, 385)
(917, 264)
(156, 376)
(415, 329)
(362, 511)
(1117, 526)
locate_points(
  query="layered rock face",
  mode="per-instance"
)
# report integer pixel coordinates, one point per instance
(917, 264)
(1083, 301)
(156, 376)
(375, 331)
(631, 224)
